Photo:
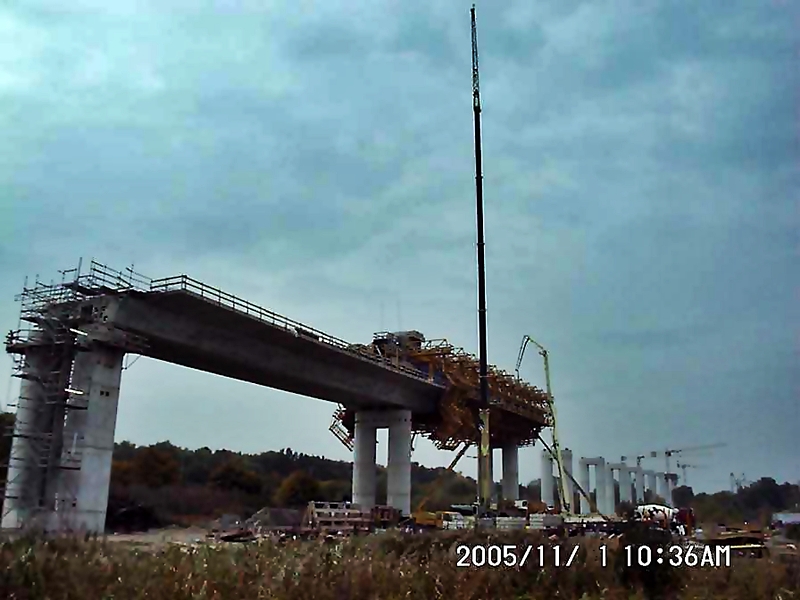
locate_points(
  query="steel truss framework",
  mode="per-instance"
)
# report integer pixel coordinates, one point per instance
(519, 411)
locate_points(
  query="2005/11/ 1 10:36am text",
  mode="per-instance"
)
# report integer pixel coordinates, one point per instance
(511, 555)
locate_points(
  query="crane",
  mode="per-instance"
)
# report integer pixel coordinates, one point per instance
(556, 450)
(667, 454)
(484, 450)
(683, 467)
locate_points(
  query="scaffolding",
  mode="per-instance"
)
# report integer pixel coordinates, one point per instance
(519, 411)
(43, 354)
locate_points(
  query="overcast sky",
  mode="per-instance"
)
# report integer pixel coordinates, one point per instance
(316, 158)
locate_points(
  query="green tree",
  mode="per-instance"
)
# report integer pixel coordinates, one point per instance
(297, 489)
(234, 475)
(155, 468)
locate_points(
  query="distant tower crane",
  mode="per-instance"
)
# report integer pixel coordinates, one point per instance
(737, 483)
(683, 467)
(556, 451)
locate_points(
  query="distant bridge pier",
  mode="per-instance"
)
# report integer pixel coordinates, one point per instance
(650, 482)
(547, 484)
(599, 464)
(510, 472)
(639, 483)
(399, 460)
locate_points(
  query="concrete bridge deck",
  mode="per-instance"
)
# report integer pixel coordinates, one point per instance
(70, 362)
(188, 324)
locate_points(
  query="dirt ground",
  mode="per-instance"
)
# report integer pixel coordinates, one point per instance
(157, 538)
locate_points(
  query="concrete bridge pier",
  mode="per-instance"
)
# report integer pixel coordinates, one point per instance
(398, 491)
(25, 481)
(639, 472)
(650, 482)
(547, 484)
(599, 465)
(511, 473)
(566, 462)
(81, 490)
(399, 460)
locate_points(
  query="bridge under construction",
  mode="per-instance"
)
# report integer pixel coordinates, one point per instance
(73, 335)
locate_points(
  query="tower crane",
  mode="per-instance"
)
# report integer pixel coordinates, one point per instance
(667, 454)
(683, 467)
(556, 449)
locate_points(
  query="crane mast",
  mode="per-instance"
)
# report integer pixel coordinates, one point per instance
(484, 451)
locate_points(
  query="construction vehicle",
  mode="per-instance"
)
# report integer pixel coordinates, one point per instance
(422, 519)
(556, 451)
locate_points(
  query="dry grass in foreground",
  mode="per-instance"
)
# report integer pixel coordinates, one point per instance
(378, 567)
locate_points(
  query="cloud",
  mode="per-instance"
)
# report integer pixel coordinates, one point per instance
(316, 158)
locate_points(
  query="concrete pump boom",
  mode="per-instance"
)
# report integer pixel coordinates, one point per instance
(556, 451)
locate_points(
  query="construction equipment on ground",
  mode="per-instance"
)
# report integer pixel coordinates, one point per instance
(421, 518)
(556, 451)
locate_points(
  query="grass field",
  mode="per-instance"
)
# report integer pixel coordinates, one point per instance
(385, 566)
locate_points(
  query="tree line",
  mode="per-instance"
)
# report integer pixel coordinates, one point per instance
(185, 485)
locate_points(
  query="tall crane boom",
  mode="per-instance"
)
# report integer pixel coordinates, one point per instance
(556, 451)
(484, 450)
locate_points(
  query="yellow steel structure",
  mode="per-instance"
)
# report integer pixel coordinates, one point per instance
(518, 410)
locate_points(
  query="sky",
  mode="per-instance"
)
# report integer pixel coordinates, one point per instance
(316, 158)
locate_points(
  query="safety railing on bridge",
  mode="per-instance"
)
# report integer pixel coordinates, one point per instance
(183, 283)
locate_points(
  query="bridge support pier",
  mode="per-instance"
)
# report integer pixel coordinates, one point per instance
(599, 465)
(60, 462)
(650, 483)
(639, 484)
(364, 461)
(398, 492)
(625, 484)
(547, 483)
(569, 487)
(661, 486)
(81, 496)
(23, 501)
(511, 473)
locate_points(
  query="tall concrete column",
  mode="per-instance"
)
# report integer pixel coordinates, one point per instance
(566, 461)
(650, 482)
(81, 495)
(639, 472)
(611, 500)
(364, 470)
(511, 473)
(600, 485)
(23, 498)
(399, 465)
(583, 481)
(661, 485)
(547, 478)
(672, 480)
(625, 485)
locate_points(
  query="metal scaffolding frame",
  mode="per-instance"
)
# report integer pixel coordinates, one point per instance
(44, 354)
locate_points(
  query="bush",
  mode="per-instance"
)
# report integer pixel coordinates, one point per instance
(389, 566)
